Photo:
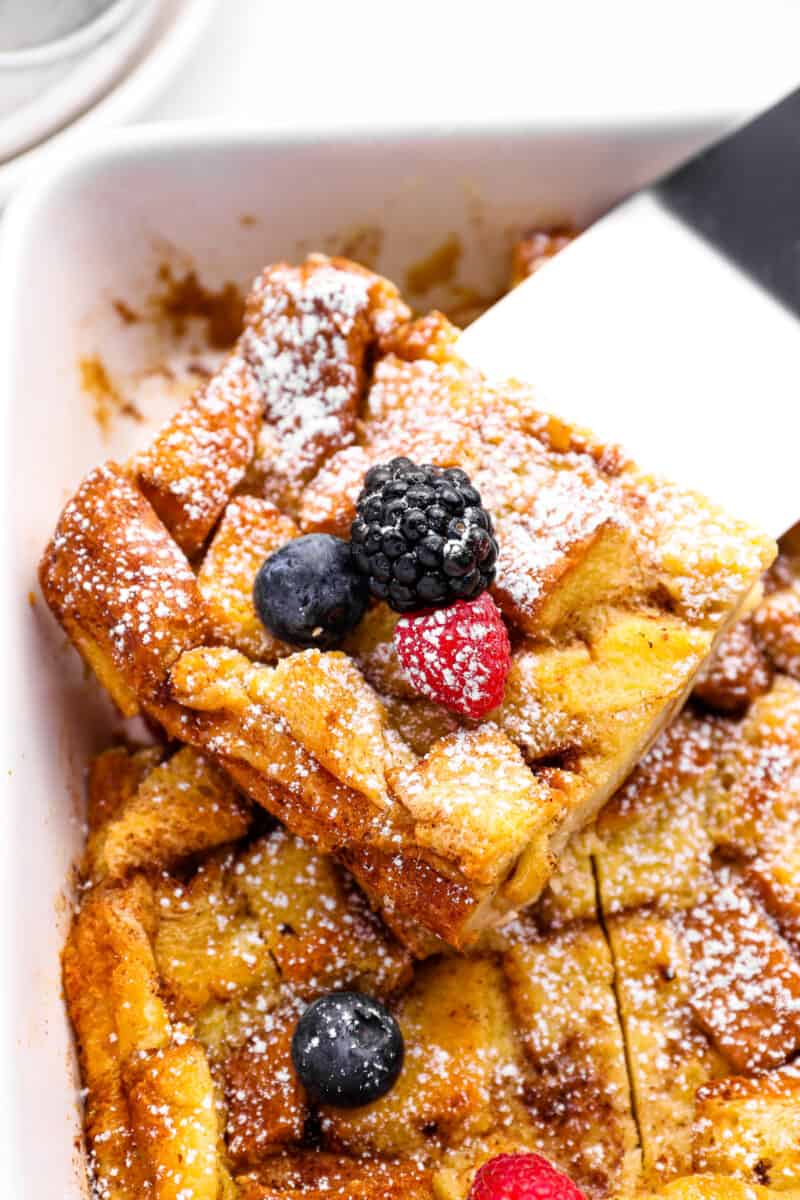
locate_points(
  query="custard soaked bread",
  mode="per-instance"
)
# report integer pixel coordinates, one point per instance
(613, 588)
(639, 1025)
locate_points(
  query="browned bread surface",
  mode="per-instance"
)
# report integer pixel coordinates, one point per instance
(615, 586)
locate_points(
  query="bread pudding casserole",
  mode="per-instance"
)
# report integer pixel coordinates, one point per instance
(415, 657)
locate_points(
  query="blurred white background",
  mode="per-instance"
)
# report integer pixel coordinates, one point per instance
(289, 64)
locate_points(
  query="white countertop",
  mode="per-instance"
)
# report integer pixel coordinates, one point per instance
(302, 65)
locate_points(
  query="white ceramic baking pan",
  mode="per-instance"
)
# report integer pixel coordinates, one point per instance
(95, 229)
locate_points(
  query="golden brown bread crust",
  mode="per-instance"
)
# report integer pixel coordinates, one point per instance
(615, 585)
(633, 1026)
(122, 588)
(602, 1028)
(309, 332)
(535, 248)
(190, 469)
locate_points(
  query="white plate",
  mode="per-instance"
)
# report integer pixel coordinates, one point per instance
(61, 85)
(152, 46)
(96, 230)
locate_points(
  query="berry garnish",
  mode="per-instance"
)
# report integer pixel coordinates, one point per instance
(522, 1177)
(347, 1049)
(309, 593)
(458, 656)
(421, 536)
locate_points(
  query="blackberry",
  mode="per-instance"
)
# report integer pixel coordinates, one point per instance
(421, 536)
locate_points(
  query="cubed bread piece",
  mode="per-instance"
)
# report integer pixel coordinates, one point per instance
(570, 553)
(320, 933)
(745, 983)
(250, 530)
(750, 1128)
(266, 1103)
(712, 1187)
(208, 944)
(191, 468)
(171, 1098)
(180, 808)
(113, 779)
(459, 1055)
(308, 333)
(332, 711)
(577, 1081)
(652, 842)
(737, 674)
(306, 1175)
(122, 589)
(150, 1117)
(777, 628)
(534, 248)
(761, 774)
(475, 801)
(669, 1056)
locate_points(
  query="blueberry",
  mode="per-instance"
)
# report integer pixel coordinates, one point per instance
(309, 592)
(347, 1050)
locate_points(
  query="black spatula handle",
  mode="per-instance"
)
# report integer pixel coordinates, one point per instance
(743, 195)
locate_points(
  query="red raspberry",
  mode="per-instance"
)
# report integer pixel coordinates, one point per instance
(522, 1177)
(458, 656)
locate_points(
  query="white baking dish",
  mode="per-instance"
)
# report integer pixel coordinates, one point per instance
(96, 229)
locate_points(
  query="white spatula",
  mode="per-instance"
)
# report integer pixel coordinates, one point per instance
(672, 325)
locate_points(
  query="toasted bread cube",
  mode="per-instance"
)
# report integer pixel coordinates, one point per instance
(474, 800)
(319, 932)
(750, 1128)
(191, 468)
(122, 589)
(308, 331)
(775, 877)
(712, 1187)
(208, 945)
(553, 571)
(574, 696)
(459, 1050)
(577, 1081)
(250, 530)
(182, 807)
(329, 501)
(336, 715)
(114, 777)
(313, 1175)
(745, 984)
(707, 561)
(737, 674)
(267, 1106)
(669, 1056)
(371, 645)
(652, 843)
(113, 996)
(762, 770)
(171, 1098)
(777, 627)
(535, 248)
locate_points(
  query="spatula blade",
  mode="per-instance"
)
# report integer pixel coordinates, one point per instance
(642, 331)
